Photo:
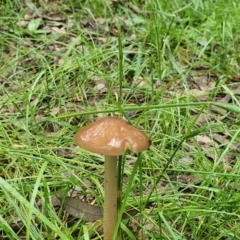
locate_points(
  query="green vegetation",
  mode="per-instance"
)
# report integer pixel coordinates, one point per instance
(169, 67)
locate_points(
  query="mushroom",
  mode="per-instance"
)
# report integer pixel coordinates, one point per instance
(111, 136)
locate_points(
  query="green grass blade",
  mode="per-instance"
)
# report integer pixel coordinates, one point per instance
(11, 191)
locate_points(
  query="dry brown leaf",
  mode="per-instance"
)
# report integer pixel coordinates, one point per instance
(60, 30)
(82, 210)
(54, 17)
(224, 99)
(133, 225)
(40, 117)
(55, 111)
(227, 163)
(204, 140)
(221, 139)
(88, 212)
(185, 161)
(203, 118)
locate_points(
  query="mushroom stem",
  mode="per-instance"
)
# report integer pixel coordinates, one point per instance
(110, 198)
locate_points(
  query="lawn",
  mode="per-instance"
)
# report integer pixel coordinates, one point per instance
(170, 68)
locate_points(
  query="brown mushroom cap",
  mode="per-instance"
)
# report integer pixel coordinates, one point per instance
(111, 136)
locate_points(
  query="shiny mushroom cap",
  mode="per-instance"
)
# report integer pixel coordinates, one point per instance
(111, 136)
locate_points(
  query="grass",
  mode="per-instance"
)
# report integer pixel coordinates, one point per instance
(169, 67)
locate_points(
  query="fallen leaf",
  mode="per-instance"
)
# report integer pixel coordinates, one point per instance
(99, 86)
(82, 210)
(58, 30)
(186, 161)
(88, 212)
(202, 140)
